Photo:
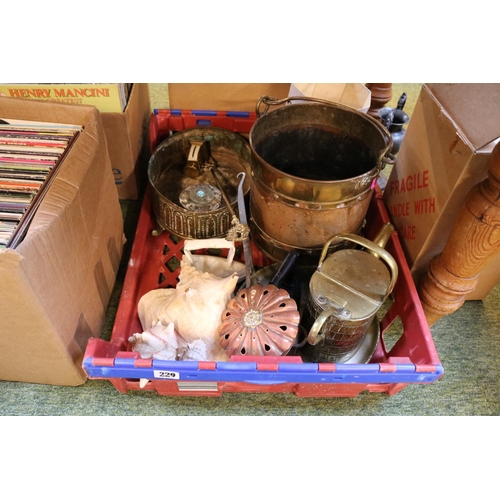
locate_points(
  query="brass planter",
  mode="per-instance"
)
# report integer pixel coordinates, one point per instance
(167, 178)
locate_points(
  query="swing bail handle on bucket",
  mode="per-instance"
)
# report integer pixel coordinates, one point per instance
(385, 158)
(338, 307)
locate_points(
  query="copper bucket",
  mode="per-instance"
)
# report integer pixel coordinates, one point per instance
(314, 167)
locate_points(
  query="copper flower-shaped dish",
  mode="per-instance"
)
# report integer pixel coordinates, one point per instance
(259, 321)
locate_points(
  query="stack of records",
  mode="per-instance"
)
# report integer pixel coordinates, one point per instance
(30, 153)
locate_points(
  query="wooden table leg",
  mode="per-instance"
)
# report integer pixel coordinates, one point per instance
(381, 94)
(473, 241)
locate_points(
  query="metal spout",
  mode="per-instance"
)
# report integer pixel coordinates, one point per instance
(382, 237)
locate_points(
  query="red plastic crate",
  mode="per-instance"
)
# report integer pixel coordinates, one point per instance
(153, 264)
(413, 358)
(166, 121)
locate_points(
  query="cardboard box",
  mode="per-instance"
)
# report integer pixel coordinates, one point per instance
(445, 152)
(106, 97)
(222, 96)
(57, 282)
(126, 135)
(354, 95)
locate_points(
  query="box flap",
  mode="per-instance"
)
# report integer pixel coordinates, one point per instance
(222, 96)
(354, 95)
(126, 135)
(45, 111)
(474, 107)
(137, 116)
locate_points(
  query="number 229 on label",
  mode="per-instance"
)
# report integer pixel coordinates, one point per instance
(166, 374)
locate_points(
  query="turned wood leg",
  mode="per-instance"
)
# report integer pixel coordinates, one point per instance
(473, 242)
(381, 94)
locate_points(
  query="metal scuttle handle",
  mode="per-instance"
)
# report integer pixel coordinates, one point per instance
(314, 336)
(273, 101)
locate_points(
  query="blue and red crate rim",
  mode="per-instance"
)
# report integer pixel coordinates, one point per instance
(413, 358)
(164, 121)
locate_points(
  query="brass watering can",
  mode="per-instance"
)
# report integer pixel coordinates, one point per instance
(345, 293)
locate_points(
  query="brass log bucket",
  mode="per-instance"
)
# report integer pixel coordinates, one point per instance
(314, 167)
